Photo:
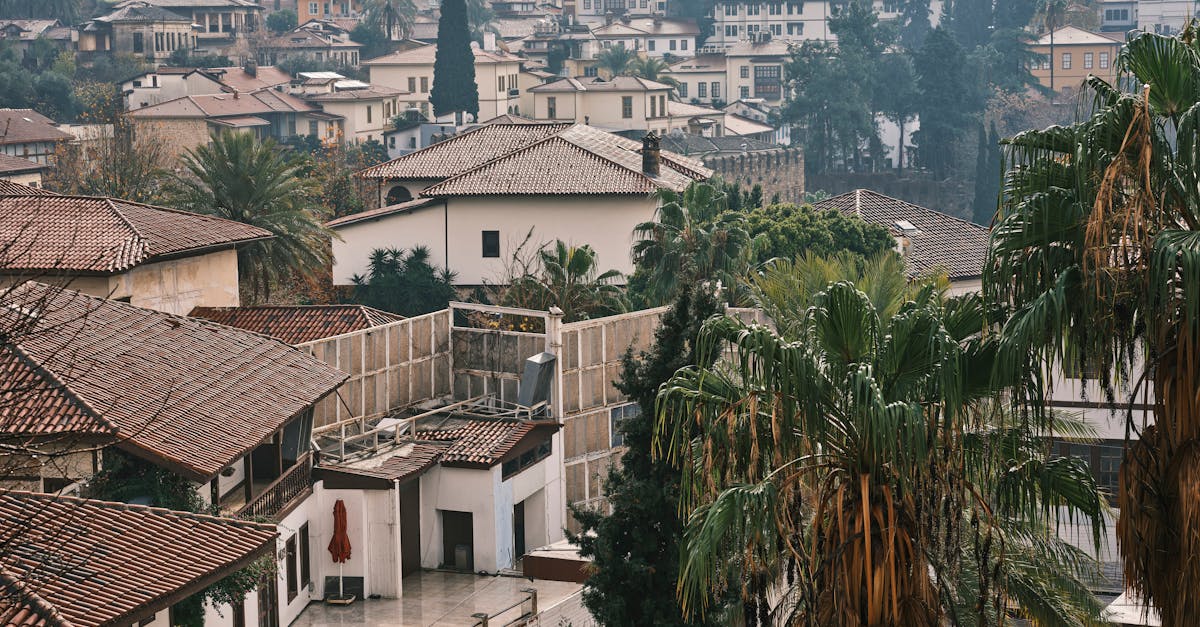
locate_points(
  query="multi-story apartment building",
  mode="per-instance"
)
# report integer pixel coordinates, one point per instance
(1166, 17)
(621, 104)
(652, 36)
(790, 20)
(747, 69)
(328, 9)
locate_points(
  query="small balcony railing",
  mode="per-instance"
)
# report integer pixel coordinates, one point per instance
(292, 485)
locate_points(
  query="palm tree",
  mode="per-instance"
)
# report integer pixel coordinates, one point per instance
(239, 178)
(615, 61)
(651, 69)
(406, 283)
(848, 467)
(569, 279)
(394, 17)
(1095, 252)
(693, 238)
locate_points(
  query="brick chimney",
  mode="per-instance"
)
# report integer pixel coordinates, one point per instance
(251, 67)
(651, 156)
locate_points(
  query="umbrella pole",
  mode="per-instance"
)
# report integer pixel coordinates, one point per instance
(341, 592)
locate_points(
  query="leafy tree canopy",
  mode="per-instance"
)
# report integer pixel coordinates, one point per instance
(282, 21)
(787, 231)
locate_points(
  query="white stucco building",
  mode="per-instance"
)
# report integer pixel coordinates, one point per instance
(474, 199)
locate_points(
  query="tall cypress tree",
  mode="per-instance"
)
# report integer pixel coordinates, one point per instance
(987, 176)
(636, 548)
(454, 87)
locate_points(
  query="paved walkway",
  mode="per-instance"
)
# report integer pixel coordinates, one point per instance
(439, 598)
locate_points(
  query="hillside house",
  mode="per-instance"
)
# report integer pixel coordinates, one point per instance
(191, 120)
(619, 104)
(149, 256)
(317, 40)
(474, 198)
(652, 36)
(27, 134)
(168, 83)
(146, 31)
(23, 171)
(365, 111)
(411, 71)
(220, 26)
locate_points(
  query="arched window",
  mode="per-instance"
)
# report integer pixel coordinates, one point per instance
(398, 194)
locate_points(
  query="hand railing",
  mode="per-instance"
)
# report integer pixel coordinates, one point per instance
(292, 483)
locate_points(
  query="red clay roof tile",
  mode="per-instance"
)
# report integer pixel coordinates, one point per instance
(107, 235)
(298, 324)
(82, 562)
(188, 394)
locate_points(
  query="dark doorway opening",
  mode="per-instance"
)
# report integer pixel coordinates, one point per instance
(410, 528)
(458, 541)
(519, 530)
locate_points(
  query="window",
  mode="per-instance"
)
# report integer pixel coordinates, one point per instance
(701, 89)
(768, 81)
(424, 84)
(775, 8)
(731, 9)
(138, 44)
(795, 28)
(743, 92)
(1087, 60)
(158, 42)
(1103, 60)
(797, 6)
(587, 4)
(1066, 60)
(618, 415)
(776, 29)
(326, 7)
(650, 45)
(312, 127)
(683, 44)
(653, 107)
(683, 90)
(662, 105)
(293, 587)
(412, 84)
(305, 566)
(525, 460)
(753, 9)
(312, 8)
(500, 83)
(716, 90)
(368, 114)
(643, 3)
(627, 107)
(744, 71)
(591, 70)
(731, 31)
(552, 107)
(491, 244)
(1116, 15)
(673, 44)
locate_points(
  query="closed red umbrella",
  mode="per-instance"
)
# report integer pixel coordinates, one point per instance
(339, 544)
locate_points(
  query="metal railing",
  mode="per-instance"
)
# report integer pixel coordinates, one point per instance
(291, 485)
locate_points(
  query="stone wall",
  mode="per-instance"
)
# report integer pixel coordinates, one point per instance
(779, 171)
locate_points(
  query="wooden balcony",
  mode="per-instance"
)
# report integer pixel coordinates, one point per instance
(277, 498)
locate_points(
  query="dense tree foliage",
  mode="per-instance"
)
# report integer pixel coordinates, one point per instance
(787, 231)
(282, 21)
(635, 548)
(393, 17)
(454, 87)
(945, 109)
(406, 283)
(988, 164)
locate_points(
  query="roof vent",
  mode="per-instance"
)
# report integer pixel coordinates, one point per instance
(907, 227)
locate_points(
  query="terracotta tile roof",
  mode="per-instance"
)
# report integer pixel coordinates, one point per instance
(425, 55)
(25, 126)
(237, 78)
(479, 441)
(375, 214)
(190, 395)
(942, 242)
(226, 105)
(531, 159)
(462, 152)
(298, 324)
(83, 563)
(658, 27)
(595, 83)
(374, 92)
(85, 234)
(400, 463)
(9, 188)
(553, 166)
(139, 14)
(14, 165)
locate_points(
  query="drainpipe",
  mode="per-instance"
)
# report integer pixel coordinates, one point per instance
(554, 345)
(396, 534)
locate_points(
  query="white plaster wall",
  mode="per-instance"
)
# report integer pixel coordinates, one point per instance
(423, 227)
(177, 285)
(604, 222)
(32, 179)
(461, 490)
